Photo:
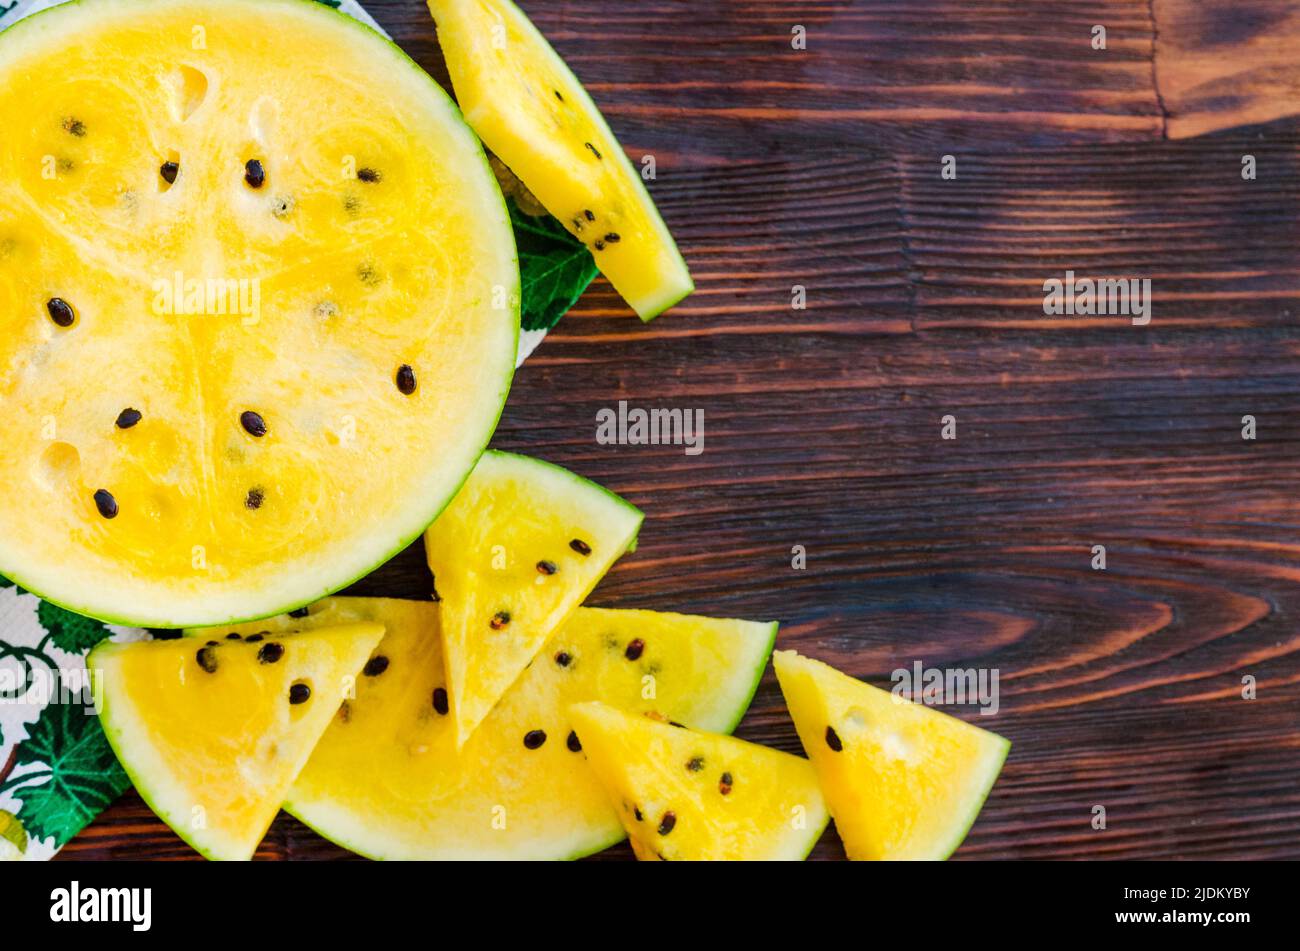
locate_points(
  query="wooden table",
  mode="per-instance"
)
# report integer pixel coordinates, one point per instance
(1120, 687)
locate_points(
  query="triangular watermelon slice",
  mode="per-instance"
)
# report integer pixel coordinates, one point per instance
(903, 781)
(682, 794)
(514, 554)
(533, 113)
(213, 733)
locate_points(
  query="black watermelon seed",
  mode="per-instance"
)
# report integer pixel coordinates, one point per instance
(254, 499)
(254, 174)
(564, 658)
(207, 659)
(594, 151)
(534, 739)
(440, 701)
(213, 643)
(299, 612)
(695, 764)
(270, 652)
(547, 567)
(168, 171)
(557, 95)
(370, 175)
(724, 784)
(74, 127)
(499, 620)
(600, 245)
(613, 237)
(253, 424)
(637, 812)
(577, 223)
(833, 739)
(233, 636)
(299, 693)
(591, 215)
(253, 638)
(680, 726)
(128, 418)
(406, 379)
(573, 743)
(376, 666)
(667, 823)
(581, 547)
(61, 311)
(106, 504)
(635, 649)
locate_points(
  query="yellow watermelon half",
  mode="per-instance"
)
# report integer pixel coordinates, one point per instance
(258, 305)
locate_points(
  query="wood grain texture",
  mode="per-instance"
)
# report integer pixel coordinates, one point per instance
(1220, 65)
(1120, 688)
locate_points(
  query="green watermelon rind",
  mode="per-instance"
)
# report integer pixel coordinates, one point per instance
(116, 735)
(988, 778)
(454, 114)
(669, 300)
(742, 703)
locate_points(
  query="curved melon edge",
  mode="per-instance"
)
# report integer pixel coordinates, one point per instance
(743, 701)
(114, 733)
(400, 55)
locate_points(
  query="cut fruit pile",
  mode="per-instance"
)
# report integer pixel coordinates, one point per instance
(236, 271)
(612, 722)
(259, 308)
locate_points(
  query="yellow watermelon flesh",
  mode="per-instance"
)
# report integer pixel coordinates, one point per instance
(387, 781)
(512, 557)
(685, 795)
(903, 780)
(213, 734)
(530, 110)
(229, 391)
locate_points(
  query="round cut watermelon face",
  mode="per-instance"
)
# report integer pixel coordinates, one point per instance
(258, 305)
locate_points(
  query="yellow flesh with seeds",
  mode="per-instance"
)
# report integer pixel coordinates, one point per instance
(507, 77)
(215, 752)
(908, 781)
(725, 799)
(332, 284)
(490, 553)
(387, 781)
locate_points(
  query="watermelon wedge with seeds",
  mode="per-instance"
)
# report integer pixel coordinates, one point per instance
(534, 114)
(246, 250)
(904, 781)
(513, 555)
(387, 781)
(686, 795)
(213, 734)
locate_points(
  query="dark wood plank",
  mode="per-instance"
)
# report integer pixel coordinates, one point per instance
(1120, 688)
